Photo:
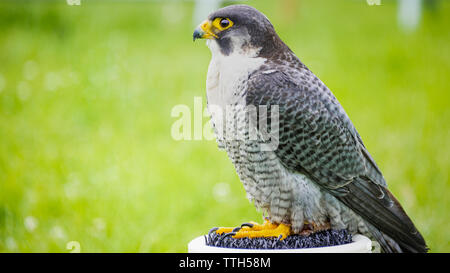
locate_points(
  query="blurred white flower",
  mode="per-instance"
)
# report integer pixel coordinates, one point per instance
(23, 90)
(112, 174)
(57, 232)
(71, 187)
(31, 223)
(221, 191)
(99, 224)
(113, 72)
(96, 79)
(30, 70)
(105, 132)
(52, 81)
(11, 244)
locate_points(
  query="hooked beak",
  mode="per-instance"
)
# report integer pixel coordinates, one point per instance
(204, 31)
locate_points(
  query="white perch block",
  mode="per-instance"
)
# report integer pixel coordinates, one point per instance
(360, 244)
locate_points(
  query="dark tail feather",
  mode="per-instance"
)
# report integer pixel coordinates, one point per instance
(412, 241)
(392, 227)
(387, 244)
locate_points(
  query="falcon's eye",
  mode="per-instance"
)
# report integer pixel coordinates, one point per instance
(222, 23)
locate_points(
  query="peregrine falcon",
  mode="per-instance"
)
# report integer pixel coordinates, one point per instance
(319, 175)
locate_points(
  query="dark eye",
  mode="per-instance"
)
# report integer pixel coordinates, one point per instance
(224, 23)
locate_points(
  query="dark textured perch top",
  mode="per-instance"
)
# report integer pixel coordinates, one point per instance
(318, 239)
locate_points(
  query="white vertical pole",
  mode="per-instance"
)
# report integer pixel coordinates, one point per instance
(203, 8)
(409, 14)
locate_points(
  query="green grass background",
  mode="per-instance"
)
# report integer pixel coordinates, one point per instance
(86, 93)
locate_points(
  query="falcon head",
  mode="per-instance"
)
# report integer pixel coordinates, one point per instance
(239, 29)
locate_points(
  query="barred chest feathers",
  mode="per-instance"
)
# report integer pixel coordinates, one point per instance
(282, 195)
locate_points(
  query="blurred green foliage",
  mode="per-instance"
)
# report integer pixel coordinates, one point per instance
(86, 94)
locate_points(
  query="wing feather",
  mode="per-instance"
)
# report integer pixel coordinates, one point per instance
(317, 138)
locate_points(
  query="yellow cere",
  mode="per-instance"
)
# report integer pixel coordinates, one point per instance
(206, 26)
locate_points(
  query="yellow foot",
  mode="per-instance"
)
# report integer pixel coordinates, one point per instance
(254, 230)
(233, 229)
(281, 231)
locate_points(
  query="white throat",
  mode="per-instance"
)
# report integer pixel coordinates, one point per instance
(226, 73)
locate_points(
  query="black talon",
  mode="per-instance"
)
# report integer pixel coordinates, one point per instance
(229, 234)
(236, 229)
(212, 230)
(222, 238)
(250, 225)
(279, 237)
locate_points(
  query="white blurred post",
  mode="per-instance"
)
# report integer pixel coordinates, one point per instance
(203, 8)
(409, 14)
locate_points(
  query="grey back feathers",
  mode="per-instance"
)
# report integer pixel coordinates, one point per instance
(318, 139)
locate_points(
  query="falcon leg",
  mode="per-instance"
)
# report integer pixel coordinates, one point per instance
(310, 228)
